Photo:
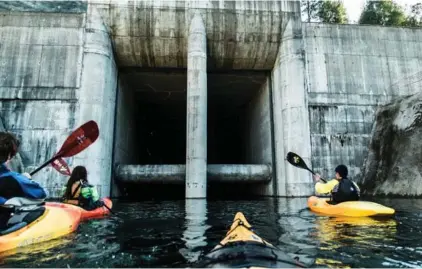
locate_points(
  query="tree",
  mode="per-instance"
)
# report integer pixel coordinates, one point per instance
(324, 11)
(415, 17)
(384, 12)
(332, 12)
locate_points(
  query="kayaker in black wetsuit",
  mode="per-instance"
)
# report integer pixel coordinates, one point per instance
(14, 185)
(79, 192)
(341, 188)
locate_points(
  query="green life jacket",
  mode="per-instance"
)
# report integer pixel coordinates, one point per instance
(88, 197)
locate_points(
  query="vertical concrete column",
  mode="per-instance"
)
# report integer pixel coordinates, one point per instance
(290, 109)
(196, 127)
(97, 101)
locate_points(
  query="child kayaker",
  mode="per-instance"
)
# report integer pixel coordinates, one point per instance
(15, 185)
(79, 192)
(341, 188)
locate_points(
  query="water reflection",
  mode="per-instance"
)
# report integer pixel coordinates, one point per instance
(346, 241)
(44, 251)
(195, 228)
(294, 218)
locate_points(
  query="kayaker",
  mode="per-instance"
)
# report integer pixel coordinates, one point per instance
(79, 192)
(15, 188)
(342, 189)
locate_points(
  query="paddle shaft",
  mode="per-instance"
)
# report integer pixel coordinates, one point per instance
(109, 209)
(45, 164)
(315, 174)
(298, 161)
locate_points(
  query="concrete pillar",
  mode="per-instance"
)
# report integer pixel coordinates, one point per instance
(196, 127)
(290, 110)
(97, 100)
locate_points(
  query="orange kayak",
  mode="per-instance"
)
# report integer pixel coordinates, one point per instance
(52, 223)
(348, 209)
(85, 214)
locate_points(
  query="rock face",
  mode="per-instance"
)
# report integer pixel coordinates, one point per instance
(394, 163)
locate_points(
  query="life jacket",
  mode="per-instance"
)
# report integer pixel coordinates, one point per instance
(75, 193)
(345, 191)
(81, 196)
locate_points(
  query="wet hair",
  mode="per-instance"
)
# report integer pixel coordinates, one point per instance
(9, 145)
(342, 170)
(78, 173)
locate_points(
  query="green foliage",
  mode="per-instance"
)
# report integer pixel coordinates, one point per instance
(384, 12)
(324, 11)
(415, 17)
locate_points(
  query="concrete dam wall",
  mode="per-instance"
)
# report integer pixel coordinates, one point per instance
(351, 70)
(201, 94)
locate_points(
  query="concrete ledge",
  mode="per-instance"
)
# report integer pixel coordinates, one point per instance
(338, 99)
(175, 174)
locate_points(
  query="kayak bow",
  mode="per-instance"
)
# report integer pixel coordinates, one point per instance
(242, 248)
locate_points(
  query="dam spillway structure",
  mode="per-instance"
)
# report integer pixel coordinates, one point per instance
(196, 97)
(183, 92)
(202, 85)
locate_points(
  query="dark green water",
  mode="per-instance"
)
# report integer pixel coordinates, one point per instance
(175, 234)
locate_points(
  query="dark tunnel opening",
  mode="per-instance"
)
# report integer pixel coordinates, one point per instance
(159, 118)
(163, 133)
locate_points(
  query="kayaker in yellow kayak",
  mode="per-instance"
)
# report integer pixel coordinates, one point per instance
(16, 189)
(79, 192)
(341, 188)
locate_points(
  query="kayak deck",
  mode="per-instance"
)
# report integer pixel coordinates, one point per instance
(85, 214)
(348, 209)
(242, 248)
(53, 223)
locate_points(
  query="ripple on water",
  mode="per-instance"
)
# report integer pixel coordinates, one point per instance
(175, 234)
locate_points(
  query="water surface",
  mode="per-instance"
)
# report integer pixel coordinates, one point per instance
(178, 233)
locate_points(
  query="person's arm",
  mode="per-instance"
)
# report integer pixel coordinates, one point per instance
(357, 187)
(32, 189)
(324, 188)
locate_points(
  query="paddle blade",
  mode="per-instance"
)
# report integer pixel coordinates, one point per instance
(296, 160)
(80, 139)
(61, 166)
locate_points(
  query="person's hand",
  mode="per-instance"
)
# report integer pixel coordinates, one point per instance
(27, 175)
(317, 177)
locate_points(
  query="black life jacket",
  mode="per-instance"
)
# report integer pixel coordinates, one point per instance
(345, 191)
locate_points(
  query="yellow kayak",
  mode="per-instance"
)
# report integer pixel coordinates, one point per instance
(52, 222)
(242, 248)
(348, 209)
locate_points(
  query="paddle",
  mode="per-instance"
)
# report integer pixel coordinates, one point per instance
(79, 140)
(297, 161)
(61, 166)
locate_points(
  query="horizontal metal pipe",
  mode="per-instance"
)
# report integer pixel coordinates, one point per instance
(175, 173)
